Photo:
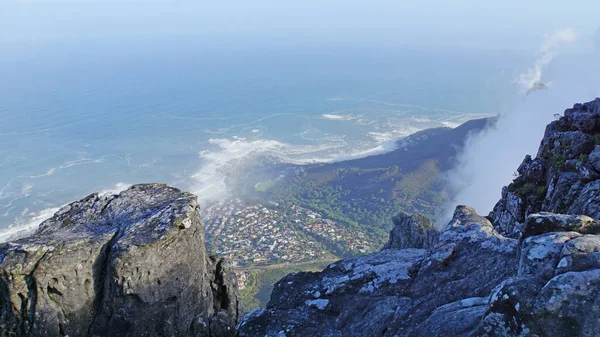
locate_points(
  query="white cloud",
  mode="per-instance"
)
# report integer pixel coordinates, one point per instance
(489, 160)
(548, 51)
(553, 41)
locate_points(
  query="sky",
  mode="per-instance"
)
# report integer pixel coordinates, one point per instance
(526, 26)
(467, 23)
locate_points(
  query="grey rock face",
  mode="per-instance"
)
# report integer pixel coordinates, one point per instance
(540, 254)
(458, 319)
(327, 303)
(394, 291)
(556, 290)
(544, 222)
(509, 213)
(132, 264)
(470, 259)
(471, 284)
(412, 231)
(563, 178)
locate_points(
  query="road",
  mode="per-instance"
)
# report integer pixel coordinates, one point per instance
(290, 265)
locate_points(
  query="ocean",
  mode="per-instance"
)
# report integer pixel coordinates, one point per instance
(79, 117)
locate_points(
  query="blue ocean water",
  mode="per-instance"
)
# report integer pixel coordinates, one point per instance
(87, 116)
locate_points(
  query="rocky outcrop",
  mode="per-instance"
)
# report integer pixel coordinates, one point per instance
(393, 291)
(328, 303)
(556, 291)
(412, 231)
(530, 271)
(132, 264)
(563, 178)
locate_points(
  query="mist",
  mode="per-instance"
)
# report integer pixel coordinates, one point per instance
(489, 159)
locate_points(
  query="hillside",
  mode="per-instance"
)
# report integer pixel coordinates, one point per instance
(360, 196)
(365, 193)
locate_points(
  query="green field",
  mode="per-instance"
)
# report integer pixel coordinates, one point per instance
(264, 186)
(261, 280)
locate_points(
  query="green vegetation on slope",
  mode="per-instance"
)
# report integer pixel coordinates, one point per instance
(365, 193)
(371, 205)
(264, 186)
(260, 281)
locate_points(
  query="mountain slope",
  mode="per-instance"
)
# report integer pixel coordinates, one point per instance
(367, 192)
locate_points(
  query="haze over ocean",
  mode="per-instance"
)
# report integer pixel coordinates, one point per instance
(84, 118)
(98, 95)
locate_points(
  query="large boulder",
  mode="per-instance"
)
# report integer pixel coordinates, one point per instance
(556, 290)
(457, 319)
(412, 231)
(545, 222)
(132, 264)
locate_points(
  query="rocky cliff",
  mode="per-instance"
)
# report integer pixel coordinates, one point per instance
(412, 231)
(530, 268)
(132, 264)
(564, 177)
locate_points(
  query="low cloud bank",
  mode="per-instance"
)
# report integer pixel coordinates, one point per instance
(489, 159)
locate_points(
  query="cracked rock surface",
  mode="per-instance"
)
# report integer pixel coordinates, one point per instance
(132, 264)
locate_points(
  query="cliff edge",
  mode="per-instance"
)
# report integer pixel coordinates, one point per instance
(530, 268)
(132, 264)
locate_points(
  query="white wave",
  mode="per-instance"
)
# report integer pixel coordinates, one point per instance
(416, 106)
(421, 119)
(379, 149)
(339, 117)
(452, 124)
(116, 189)
(210, 180)
(48, 173)
(380, 136)
(199, 118)
(26, 224)
(18, 133)
(218, 132)
(3, 189)
(67, 164)
(26, 188)
(7, 211)
(383, 137)
(24, 192)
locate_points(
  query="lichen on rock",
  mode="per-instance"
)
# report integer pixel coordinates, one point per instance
(132, 264)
